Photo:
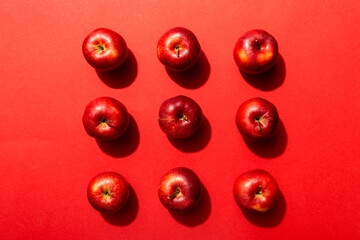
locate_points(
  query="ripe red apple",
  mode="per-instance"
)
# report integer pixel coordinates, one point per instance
(178, 49)
(180, 117)
(255, 51)
(104, 49)
(105, 118)
(108, 192)
(257, 119)
(256, 190)
(180, 189)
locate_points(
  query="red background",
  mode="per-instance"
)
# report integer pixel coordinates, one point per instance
(47, 159)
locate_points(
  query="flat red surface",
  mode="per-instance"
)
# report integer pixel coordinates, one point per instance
(47, 159)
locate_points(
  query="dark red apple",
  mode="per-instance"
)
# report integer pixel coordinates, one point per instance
(108, 192)
(256, 190)
(178, 49)
(180, 189)
(104, 49)
(255, 51)
(257, 119)
(180, 117)
(105, 118)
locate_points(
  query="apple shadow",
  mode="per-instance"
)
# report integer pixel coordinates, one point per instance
(195, 76)
(127, 214)
(122, 76)
(270, 79)
(272, 147)
(195, 142)
(198, 214)
(125, 144)
(271, 218)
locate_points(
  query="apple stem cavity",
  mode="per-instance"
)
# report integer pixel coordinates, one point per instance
(107, 193)
(258, 44)
(258, 192)
(106, 121)
(174, 194)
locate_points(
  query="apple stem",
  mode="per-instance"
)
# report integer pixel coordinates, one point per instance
(100, 46)
(177, 49)
(177, 191)
(259, 190)
(183, 117)
(258, 44)
(259, 125)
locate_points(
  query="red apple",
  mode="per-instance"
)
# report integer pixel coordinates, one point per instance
(256, 190)
(108, 192)
(257, 119)
(255, 51)
(180, 117)
(105, 118)
(180, 189)
(178, 49)
(104, 49)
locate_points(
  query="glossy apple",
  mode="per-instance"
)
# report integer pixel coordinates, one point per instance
(108, 192)
(255, 51)
(180, 189)
(180, 117)
(105, 118)
(178, 49)
(257, 119)
(104, 49)
(256, 190)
